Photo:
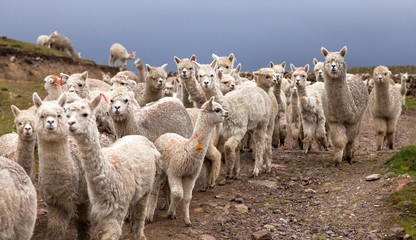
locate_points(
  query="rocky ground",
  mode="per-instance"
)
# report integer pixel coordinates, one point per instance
(305, 197)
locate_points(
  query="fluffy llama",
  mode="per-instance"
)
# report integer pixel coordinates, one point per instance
(310, 105)
(118, 51)
(166, 115)
(169, 89)
(120, 80)
(227, 82)
(61, 43)
(189, 93)
(286, 84)
(208, 81)
(182, 157)
(118, 177)
(17, 202)
(153, 85)
(249, 109)
(224, 63)
(385, 105)
(237, 75)
(53, 86)
(318, 69)
(8, 145)
(62, 182)
(402, 86)
(294, 118)
(344, 101)
(42, 40)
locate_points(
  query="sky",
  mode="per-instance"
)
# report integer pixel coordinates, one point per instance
(376, 32)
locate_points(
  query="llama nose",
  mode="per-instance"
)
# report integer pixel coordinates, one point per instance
(117, 107)
(70, 123)
(28, 128)
(50, 122)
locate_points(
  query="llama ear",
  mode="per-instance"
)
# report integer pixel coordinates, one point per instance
(315, 61)
(208, 105)
(324, 51)
(132, 83)
(37, 101)
(164, 66)
(64, 77)
(214, 56)
(219, 74)
(256, 73)
(197, 65)
(84, 75)
(238, 68)
(148, 68)
(96, 101)
(176, 59)
(62, 99)
(292, 67)
(307, 68)
(283, 64)
(343, 51)
(231, 57)
(131, 94)
(193, 57)
(213, 63)
(271, 64)
(15, 110)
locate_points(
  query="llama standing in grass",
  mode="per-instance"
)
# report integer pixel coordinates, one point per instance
(182, 157)
(43, 40)
(61, 43)
(310, 105)
(118, 177)
(25, 156)
(344, 101)
(118, 51)
(17, 202)
(62, 182)
(385, 107)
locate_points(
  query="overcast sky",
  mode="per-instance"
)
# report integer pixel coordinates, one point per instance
(376, 32)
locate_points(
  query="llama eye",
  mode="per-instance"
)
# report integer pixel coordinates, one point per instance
(59, 115)
(126, 100)
(200, 76)
(79, 85)
(67, 116)
(267, 77)
(20, 124)
(112, 101)
(122, 83)
(217, 110)
(85, 114)
(190, 68)
(227, 67)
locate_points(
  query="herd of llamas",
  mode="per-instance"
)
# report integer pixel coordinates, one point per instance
(108, 146)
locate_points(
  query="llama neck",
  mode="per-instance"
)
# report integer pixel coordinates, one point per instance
(126, 126)
(276, 91)
(193, 90)
(213, 92)
(151, 94)
(339, 96)
(25, 154)
(202, 131)
(301, 91)
(382, 92)
(55, 153)
(140, 73)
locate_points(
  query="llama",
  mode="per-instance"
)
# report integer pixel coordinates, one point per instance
(402, 86)
(118, 51)
(53, 86)
(318, 69)
(190, 91)
(169, 90)
(208, 81)
(227, 82)
(8, 145)
(25, 156)
(236, 73)
(62, 182)
(166, 115)
(294, 118)
(42, 40)
(120, 80)
(153, 86)
(224, 63)
(182, 157)
(385, 105)
(61, 43)
(118, 177)
(17, 202)
(344, 101)
(286, 84)
(310, 105)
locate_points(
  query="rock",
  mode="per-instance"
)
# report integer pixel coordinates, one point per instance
(239, 200)
(397, 230)
(206, 237)
(270, 227)
(407, 237)
(407, 203)
(373, 177)
(241, 208)
(263, 234)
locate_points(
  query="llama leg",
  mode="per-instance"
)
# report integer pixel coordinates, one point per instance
(237, 166)
(391, 129)
(58, 221)
(188, 186)
(381, 128)
(208, 173)
(282, 130)
(308, 136)
(268, 155)
(154, 195)
(108, 229)
(176, 195)
(83, 223)
(276, 133)
(259, 137)
(352, 133)
(230, 147)
(216, 166)
(321, 135)
(138, 215)
(111, 61)
(339, 139)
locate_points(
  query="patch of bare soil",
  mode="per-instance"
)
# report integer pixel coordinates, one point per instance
(304, 197)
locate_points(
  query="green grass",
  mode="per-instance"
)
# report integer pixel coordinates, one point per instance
(403, 161)
(18, 93)
(410, 102)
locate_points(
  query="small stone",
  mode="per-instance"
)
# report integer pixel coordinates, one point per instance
(407, 203)
(263, 234)
(373, 177)
(222, 183)
(241, 208)
(407, 237)
(217, 196)
(397, 230)
(206, 237)
(239, 200)
(270, 227)
(308, 190)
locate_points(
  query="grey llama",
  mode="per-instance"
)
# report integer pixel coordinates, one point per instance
(62, 184)
(119, 177)
(344, 101)
(182, 157)
(17, 202)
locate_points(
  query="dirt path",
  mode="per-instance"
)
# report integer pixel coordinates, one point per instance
(305, 197)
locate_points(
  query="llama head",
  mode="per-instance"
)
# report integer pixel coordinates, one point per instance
(404, 76)
(185, 66)
(265, 78)
(156, 77)
(279, 69)
(381, 74)
(318, 69)
(206, 75)
(24, 120)
(77, 83)
(334, 65)
(80, 115)
(120, 105)
(216, 114)
(50, 120)
(121, 80)
(227, 81)
(168, 90)
(299, 75)
(138, 63)
(225, 63)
